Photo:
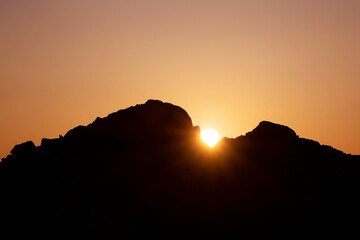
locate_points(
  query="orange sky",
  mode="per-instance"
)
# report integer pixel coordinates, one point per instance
(230, 64)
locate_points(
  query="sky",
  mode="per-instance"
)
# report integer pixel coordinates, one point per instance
(229, 64)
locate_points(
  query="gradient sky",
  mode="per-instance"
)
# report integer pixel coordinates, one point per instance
(230, 64)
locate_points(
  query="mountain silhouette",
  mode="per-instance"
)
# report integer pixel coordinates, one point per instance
(143, 172)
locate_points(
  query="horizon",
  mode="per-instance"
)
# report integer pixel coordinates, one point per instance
(211, 143)
(228, 64)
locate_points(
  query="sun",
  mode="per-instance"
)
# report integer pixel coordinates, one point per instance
(210, 137)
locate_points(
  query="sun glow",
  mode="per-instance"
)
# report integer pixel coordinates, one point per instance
(210, 137)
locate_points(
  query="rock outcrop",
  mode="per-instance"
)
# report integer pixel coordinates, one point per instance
(142, 172)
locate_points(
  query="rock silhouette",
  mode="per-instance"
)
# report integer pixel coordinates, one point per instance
(143, 172)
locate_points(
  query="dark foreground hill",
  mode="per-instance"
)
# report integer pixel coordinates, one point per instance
(142, 172)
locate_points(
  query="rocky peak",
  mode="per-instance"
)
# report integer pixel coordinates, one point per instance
(153, 117)
(267, 130)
